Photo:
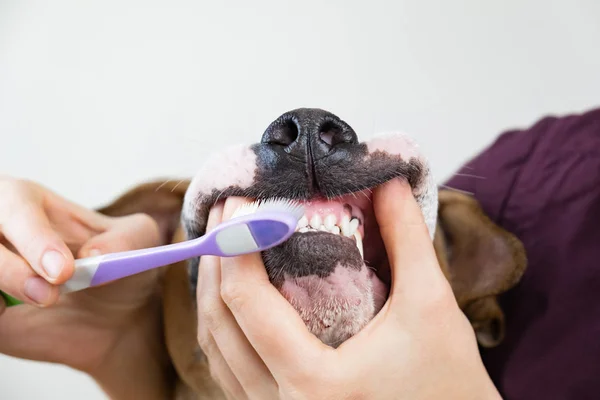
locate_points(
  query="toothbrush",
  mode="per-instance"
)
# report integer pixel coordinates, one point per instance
(254, 227)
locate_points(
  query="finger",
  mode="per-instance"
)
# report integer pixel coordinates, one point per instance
(414, 265)
(27, 228)
(209, 315)
(232, 344)
(271, 324)
(21, 282)
(220, 325)
(222, 374)
(214, 218)
(219, 369)
(137, 231)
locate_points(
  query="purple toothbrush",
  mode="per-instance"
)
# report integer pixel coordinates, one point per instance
(254, 227)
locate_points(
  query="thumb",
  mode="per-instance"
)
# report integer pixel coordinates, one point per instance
(416, 272)
(133, 232)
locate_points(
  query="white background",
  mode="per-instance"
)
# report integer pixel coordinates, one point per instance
(96, 96)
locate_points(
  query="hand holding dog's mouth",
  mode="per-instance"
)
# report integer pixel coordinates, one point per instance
(258, 345)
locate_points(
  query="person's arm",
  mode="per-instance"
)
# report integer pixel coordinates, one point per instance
(112, 332)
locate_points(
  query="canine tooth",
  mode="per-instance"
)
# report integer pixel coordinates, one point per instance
(345, 225)
(335, 230)
(316, 221)
(323, 228)
(353, 226)
(303, 223)
(359, 244)
(330, 221)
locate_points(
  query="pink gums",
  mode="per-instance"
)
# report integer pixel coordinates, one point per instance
(336, 207)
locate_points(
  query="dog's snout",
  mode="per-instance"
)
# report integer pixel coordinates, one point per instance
(309, 132)
(307, 144)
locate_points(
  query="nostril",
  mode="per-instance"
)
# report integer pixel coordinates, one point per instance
(333, 134)
(284, 133)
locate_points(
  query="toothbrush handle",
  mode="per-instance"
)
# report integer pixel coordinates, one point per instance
(9, 300)
(94, 271)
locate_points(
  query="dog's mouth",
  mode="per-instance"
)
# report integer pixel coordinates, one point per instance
(334, 269)
(351, 218)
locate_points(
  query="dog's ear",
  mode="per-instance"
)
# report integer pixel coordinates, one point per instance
(162, 200)
(480, 260)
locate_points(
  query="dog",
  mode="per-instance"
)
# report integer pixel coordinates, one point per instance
(334, 270)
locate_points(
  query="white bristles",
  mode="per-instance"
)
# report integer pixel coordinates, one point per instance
(273, 204)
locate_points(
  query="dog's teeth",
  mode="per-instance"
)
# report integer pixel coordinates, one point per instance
(345, 225)
(303, 223)
(323, 228)
(316, 221)
(353, 226)
(330, 221)
(335, 230)
(359, 244)
(303, 230)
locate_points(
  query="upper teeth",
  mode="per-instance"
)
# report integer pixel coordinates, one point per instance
(346, 226)
(330, 221)
(303, 223)
(315, 221)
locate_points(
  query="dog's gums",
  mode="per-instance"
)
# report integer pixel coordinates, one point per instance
(334, 269)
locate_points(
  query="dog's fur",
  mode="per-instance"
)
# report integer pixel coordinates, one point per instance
(479, 259)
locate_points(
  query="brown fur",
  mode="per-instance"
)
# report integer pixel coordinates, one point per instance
(479, 259)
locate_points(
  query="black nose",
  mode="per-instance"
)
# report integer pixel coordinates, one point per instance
(309, 133)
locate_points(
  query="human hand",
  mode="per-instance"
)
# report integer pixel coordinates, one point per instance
(39, 234)
(419, 346)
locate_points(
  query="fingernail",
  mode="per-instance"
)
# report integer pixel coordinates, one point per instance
(38, 290)
(53, 263)
(94, 253)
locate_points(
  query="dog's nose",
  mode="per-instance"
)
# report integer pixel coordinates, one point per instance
(309, 133)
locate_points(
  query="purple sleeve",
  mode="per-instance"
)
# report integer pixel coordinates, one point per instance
(543, 184)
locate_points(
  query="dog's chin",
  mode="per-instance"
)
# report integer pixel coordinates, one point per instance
(326, 279)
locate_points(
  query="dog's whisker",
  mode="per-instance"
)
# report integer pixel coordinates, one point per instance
(470, 176)
(178, 183)
(163, 185)
(457, 190)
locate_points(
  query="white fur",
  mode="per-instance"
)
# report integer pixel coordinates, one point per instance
(236, 166)
(400, 144)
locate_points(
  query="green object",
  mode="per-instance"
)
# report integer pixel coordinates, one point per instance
(9, 300)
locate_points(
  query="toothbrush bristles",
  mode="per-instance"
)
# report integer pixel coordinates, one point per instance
(275, 204)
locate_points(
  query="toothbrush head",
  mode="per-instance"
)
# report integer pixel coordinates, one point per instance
(271, 205)
(258, 226)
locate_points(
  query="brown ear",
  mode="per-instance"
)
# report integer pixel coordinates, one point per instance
(161, 199)
(480, 260)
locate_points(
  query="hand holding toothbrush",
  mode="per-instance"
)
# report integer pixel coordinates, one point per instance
(89, 331)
